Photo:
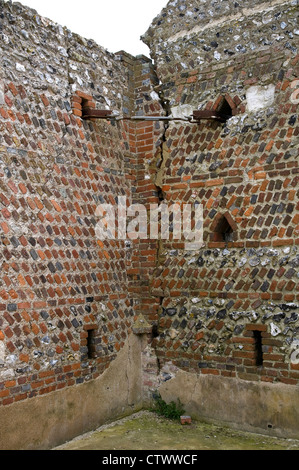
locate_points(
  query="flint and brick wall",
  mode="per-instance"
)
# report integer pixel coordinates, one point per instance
(57, 281)
(246, 169)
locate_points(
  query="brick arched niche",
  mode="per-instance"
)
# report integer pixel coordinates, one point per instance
(81, 101)
(223, 228)
(227, 105)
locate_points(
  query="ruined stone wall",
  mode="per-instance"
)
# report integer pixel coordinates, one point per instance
(58, 283)
(223, 317)
(217, 302)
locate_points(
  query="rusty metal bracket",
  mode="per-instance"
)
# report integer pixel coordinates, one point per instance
(154, 118)
(88, 113)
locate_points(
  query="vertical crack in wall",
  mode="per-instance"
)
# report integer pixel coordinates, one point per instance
(156, 331)
(128, 373)
(161, 161)
(162, 155)
(163, 150)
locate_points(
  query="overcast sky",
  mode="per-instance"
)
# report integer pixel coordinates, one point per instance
(114, 24)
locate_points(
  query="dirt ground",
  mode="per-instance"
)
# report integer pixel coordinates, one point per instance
(148, 431)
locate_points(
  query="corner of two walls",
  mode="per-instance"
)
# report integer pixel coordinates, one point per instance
(215, 302)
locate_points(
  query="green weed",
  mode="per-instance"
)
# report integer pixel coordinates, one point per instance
(170, 410)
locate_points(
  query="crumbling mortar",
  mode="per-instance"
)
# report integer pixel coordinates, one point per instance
(154, 344)
(159, 175)
(160, 170)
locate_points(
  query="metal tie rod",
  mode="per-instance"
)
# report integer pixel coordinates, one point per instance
(151, 118)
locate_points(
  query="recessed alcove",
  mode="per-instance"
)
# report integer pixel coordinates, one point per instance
(223, 228)
(258, 348)
(225, 109)
(226, 106)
